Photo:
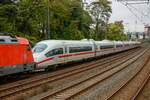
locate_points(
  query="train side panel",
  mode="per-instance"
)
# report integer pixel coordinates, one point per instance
(12, 54)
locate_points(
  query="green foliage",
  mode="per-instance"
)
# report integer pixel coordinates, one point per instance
(115, 31)
(68, 19)
(8, 13)
(100, 11)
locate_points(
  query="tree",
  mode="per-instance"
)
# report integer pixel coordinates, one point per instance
(5, 1)
(8, 14)
(100, 12)
(68, 19)
(116, 31)
(68, 15)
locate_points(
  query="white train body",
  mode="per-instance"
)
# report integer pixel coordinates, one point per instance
(54, 52)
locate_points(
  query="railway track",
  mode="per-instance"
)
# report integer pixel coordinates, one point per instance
(130, 90)
(143, 94)
(142, 86)
(14, 89)
(74, 90)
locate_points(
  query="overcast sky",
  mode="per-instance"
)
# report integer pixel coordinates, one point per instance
(131, 22)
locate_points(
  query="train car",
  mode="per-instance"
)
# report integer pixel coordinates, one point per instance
(54, 52)
(15, 55)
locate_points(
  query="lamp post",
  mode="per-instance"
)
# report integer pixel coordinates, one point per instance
(48, 20)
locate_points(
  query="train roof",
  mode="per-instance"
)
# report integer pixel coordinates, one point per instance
(84, 42)
(12, 40)
(22, 40)
(118, 42)
(104, 42)
(55, 42)
(8, 40)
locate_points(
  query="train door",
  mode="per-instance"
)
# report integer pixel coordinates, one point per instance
(29, 54)
(95, 49)
(65, 53)
(55, 56)
(25, 54)
(59, 58)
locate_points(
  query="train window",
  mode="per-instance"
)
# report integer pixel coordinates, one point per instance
(106, 46)
(126, 44)
(2, 40)
(119, 45)
(54, 52)
(80, 49)
(14, 40)
(39, 48)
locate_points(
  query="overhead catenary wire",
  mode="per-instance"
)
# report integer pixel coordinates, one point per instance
(148, 13)
(135, 1)
(142, 13)
(133, 12)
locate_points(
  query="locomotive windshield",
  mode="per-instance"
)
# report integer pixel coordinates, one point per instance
(39, 48)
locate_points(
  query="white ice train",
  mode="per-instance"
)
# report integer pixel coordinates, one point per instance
(54, 52)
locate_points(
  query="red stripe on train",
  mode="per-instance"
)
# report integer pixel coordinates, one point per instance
(45, 60)
(76, 54)
(66, 55)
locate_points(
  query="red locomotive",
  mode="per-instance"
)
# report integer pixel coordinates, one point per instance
(15, 55)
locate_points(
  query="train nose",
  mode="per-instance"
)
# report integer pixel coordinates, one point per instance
(37, 60)
(36, 57)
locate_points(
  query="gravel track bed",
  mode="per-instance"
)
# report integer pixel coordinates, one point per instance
(42, 89)
(145, 93)
(105, 88)
(129, 91)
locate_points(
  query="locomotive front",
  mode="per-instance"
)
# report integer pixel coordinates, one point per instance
(15, 55)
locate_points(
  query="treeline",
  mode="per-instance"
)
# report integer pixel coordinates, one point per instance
(68, 19)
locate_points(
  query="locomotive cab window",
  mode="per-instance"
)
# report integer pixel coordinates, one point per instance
(39, 48)
(54, 52)
(2, 40)
(14, 40)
